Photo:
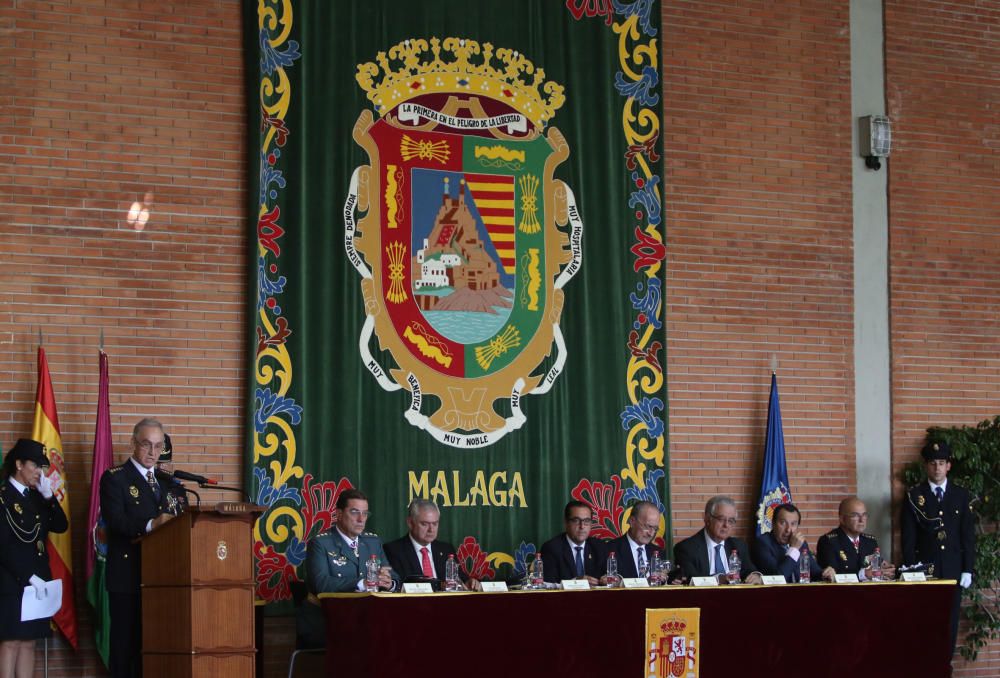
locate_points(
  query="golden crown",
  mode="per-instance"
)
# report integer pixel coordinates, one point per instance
(417, 66)
(674, 626)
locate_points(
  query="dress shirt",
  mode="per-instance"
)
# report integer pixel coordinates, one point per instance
(420, 557)
(17, 486)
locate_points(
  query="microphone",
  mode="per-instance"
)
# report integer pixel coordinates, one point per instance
(201, 480)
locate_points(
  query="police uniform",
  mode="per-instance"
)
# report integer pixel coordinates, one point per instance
(128, 503)
(835, 549)
(939, 534)
(332, 566)
(28, 518)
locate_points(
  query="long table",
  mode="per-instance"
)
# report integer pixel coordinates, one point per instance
(819, 629)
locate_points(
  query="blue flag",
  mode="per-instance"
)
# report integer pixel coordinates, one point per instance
(774, 480)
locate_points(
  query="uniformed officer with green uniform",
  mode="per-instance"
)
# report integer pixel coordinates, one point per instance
(937, 526)
(336, 560)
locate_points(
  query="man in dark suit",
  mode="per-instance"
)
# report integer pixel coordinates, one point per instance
(779, 551)
(133, 503)
(847, 549)
(634, 550)
(574, 554)
(937, 526)
(706, 553)
(336, 560)
(419, 553)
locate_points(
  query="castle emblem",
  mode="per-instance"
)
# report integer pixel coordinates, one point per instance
(466, 239)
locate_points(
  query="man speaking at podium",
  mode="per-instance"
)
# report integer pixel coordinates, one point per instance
(135, 499)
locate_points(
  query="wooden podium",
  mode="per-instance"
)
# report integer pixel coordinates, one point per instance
(198, 594)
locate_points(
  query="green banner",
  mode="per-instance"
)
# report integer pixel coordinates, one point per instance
(457, 280)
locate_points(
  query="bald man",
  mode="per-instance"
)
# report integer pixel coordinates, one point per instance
(847, 548)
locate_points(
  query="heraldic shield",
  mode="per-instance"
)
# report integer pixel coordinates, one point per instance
(467, 238)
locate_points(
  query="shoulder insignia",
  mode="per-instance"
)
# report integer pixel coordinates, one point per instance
(831, 534)
(370, 534)
(870, 536)
(115, 469)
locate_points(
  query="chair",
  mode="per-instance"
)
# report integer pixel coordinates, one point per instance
(310, 628)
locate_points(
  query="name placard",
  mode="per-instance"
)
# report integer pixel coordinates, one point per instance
(494, 586)
(773, 579)
(851, 578)
(575, 585)
(914, 576)
(704, 581)
(414, 587)
(635, 582)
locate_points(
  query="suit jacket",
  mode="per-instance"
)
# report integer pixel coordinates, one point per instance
(560, 560)
(626, 558)
(23, 531)
(127, 504)
(333, 567)
(405, 563)
(773, 558)
(835, 549)
(938, 533)
(691, 556)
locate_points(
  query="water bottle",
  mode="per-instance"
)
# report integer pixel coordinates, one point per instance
(875, 562)
(451, 574)
(805, 574)
(734, 568)
(371, 573)
(655, 570)
(536, 576)
(612, 569)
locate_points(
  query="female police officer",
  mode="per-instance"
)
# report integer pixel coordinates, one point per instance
(28, 512)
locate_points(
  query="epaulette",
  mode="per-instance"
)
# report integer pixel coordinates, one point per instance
(370, 534)
(831, 534)
(870, 536)
(115, 469)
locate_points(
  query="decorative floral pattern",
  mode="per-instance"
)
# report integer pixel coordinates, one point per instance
(473, 560)
(605, 500)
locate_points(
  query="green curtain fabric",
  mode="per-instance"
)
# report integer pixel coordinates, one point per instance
(346, 188)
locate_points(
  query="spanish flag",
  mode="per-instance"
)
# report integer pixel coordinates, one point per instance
(46, 431)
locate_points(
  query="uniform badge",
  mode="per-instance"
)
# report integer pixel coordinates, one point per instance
(134, 491)
(843, 556)
(942, 535)
(17, 507)
(172, 507)
(920, 500)
(337, 559)
(470, 238)
(41, 547)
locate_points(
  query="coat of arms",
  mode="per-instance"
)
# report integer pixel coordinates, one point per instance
(467, 238)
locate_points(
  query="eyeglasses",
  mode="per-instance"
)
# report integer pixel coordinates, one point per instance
(580, 522)
(147, 446)
(647, 528)
(858, 516)
(724, 520)
(356, 513)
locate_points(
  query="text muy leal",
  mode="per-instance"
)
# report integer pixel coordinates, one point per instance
(491, 489)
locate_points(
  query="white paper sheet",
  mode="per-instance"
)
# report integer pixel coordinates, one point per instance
(51, 601)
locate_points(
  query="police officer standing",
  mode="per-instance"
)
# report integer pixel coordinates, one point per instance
(134, 501)
(938, 528)
(30, 511)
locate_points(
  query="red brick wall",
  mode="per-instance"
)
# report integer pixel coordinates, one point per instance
(942, 60)
(759, 225)
(107, 103)
(111, 101)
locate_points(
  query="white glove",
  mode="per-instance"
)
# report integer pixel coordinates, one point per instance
(39, 585)
(45, 486)
(966, 580)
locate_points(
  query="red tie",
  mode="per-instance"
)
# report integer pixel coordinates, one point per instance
(855, 542)
(425, 563)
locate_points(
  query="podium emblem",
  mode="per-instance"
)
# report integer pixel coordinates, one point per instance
(222, 550)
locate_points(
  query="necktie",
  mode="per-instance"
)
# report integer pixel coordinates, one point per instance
(354, 547)
(425, 562)
(152, 484)
(579, 560)
(642, 561)
(857, 542)
(720, 564)
(940, 493)
(25, 493)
